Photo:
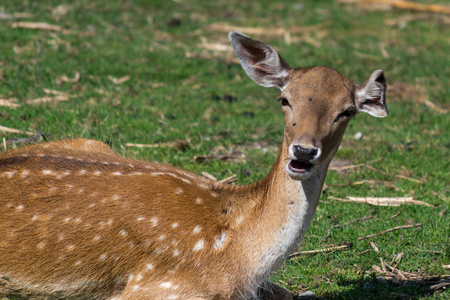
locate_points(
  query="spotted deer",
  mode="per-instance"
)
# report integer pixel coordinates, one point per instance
(80, 222)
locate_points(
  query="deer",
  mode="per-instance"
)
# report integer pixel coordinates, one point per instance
(78, 221)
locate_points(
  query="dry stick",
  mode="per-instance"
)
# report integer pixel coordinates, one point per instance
(382, 201)
(394, 216)
(400, 4)
(42, 26)
(231, 179)
(266, 31)
(374, 247)
(346, 224)
(295, 254)
(13, 130)
(388, 230)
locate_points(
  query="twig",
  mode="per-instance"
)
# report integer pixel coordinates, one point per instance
(223, 27)
(180, 145)
(13, 130)
(374, 247)
(400, 4)
(9, 103)
(382, 201)
(389, 230)
(41, 26)
(346, 224)
(394, 216)
(374, 169)
(46, 99)
(209, 176)
(295, 254)
(364, 252)
(410, 179)
(231, 179)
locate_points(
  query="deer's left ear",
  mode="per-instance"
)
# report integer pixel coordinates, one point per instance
(370, 97)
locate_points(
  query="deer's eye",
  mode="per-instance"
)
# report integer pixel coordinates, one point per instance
(284, 102)
(346, 114)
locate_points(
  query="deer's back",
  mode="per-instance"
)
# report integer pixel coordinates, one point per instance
(75, 215)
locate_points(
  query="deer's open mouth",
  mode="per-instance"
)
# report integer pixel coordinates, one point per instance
(298, 166)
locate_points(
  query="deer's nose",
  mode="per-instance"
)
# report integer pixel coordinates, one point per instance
(304, 154)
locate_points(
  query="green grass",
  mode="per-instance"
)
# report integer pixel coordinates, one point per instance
(180, 91)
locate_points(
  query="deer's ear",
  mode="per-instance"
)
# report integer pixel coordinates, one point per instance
(261, 62)
(370, 97)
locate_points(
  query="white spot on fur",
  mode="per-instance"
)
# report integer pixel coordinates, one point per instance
(199, 245)
(176, 252)
(20, 207)
(172, 297)
(175, 225)
(140, 218)
(139, 277)
(97, 173)
(198, 200)
(67, 219)
(123, 233)
(136, 173)
(149, 267)
(24, 173)
(197, 229)
(70, 247)
(96, 238)
(41, 245)
(178, 191)
(82, 172)
(77, 263)
(116, 174)
(47, 172)
(185, 180)
(166, 284)
(103, 257)
(239, 220)
(161, 237)
(35, 217)
(110, 221)
(154, 221)
(220, 241)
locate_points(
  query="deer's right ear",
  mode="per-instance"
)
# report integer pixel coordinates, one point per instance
(261, 62)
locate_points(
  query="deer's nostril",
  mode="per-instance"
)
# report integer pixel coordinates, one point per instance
(305, 154)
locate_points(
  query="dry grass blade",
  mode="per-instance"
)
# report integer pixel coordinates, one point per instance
(46, 99)
(388, 230)
(228, 180)
(119, 80)
(346, 224)
(374, 247)
(395, 275)
(383, 201)
(346, 245)
(400, 4)
(209, 176)
(13, 130)
(225, 157)
(64, 78)
(223, 27)
(41, 26)
(434, 106)
(181, 145)
(9, 103)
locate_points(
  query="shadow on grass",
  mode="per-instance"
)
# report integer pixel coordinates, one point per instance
(380, 288)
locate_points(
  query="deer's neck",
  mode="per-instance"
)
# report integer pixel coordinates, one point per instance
(279, 212)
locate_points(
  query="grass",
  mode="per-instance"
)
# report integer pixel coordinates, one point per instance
(178, 90)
